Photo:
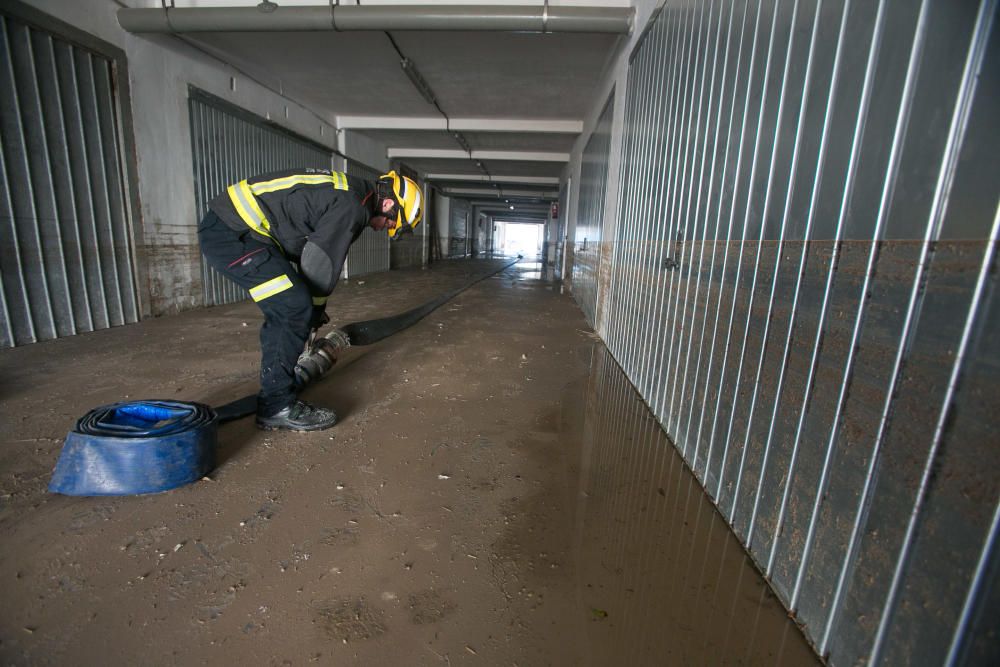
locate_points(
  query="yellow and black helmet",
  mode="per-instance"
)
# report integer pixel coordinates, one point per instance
(409, 200)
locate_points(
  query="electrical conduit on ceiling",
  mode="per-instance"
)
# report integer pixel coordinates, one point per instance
(418, 81)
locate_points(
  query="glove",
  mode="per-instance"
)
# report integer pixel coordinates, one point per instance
(319, 317)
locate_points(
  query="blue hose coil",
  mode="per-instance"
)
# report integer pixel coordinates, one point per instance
(137, 447)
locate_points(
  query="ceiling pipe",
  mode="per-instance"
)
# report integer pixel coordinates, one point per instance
(615, 20)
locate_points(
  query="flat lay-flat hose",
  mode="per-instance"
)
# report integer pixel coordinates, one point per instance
(150, 446)
(358, 333)
(137, 447)
(372, 331)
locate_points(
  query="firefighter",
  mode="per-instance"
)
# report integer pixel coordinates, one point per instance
(253, 233)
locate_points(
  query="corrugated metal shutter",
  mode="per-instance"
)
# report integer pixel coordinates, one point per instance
(809, 302)
(458, 228)
(590, 219)
(67, 252)
(370, 253)
(230, 144)
(559, 224)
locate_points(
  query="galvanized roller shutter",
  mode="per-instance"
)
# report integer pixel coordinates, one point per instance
(804, 290)
(590, 220)
(230, 144)
(559, 225)
(458, 243)
(66, 256)
(370, 253)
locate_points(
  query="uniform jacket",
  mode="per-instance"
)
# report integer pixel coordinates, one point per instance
(312, 215)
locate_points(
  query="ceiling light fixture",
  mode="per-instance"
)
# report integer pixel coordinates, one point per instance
(417, 80)
(462, 142)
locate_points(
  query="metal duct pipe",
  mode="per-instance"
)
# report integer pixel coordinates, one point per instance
(616, 20)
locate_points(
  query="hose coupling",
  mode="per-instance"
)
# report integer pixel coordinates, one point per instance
(320, 357)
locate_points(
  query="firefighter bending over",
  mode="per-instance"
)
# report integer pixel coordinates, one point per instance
(255, 230)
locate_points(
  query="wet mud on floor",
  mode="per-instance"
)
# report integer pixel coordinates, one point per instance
(495, 494)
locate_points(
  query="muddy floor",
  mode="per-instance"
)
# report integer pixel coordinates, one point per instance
(495, 494)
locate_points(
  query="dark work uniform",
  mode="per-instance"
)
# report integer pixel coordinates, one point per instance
(253, 232)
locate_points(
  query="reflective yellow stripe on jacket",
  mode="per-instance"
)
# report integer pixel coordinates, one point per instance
(337, 179)
(271, 287)
(243, 196)
(248, 208)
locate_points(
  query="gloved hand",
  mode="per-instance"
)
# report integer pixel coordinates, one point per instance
(319, 317)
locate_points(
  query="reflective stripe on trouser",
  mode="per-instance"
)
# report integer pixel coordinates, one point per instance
(271, 287)
(287, 304)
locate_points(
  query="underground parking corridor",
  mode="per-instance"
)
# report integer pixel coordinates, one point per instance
(500, 332)
(495, 493)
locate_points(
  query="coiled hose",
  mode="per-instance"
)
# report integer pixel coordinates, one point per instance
(150, 446)
(136, 447)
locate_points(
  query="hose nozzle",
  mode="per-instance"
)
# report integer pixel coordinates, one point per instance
(321, 356)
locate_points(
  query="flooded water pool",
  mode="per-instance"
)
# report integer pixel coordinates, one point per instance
(658, 571)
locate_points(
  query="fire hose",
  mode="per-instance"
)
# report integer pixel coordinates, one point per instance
(151, 446)
(136, 447)
(324, 351)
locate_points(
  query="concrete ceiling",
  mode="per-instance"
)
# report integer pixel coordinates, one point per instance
(521, 97)
(491, 141)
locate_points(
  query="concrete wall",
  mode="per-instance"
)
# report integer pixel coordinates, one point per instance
(480, 233)
(441, 235)
(550, 239)
(160, 71)
(458, 233)
(363, 149)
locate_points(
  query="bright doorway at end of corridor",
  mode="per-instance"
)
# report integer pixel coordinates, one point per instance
(519, 238)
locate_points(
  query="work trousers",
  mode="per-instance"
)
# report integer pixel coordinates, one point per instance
(279, 291)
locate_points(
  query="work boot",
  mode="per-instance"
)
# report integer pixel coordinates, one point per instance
(299, 416)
